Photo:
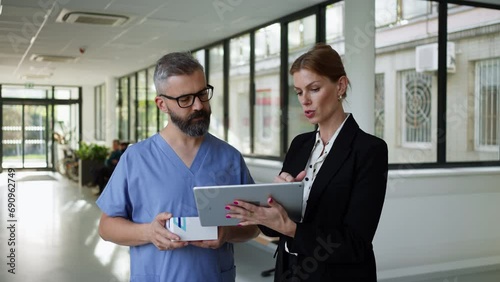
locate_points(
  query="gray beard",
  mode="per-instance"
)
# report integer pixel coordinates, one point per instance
(190, 128)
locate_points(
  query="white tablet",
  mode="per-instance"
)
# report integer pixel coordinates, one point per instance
(212, 200)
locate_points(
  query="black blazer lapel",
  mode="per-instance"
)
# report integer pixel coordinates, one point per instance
(340, 151)
(298, 156)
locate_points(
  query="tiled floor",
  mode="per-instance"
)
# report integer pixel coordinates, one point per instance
(56, 236)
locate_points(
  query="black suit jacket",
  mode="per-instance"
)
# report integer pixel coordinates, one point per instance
(334, 239)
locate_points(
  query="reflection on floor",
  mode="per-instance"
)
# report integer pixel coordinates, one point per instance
(56, 236)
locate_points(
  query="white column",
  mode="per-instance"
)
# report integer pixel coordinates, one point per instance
(359, 61)
(111, 124)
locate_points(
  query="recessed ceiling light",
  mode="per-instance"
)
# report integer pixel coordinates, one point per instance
(53, 58)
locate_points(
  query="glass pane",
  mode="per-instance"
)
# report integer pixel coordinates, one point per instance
(267, 41)
(473, 85)
(65, 93)
(267, 92)
(216, 79)
(386, 12)
(100, 112)
(141, 105)
(412, 8)
(15, 91)
(297, 122)
(379, 105)
(12, 122)
(335, 27)
(74, 117)
(123, 118)
(334, 22)
(406, 77)
(239, 97)
(417, 100)
(302, 32)
(65, 130)
(35, 136)
(104, 122)
(152, 109)
(132, 110)
(200, 56)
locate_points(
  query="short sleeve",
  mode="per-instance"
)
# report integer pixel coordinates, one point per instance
(114, 200)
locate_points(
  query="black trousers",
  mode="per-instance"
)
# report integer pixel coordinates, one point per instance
(102, 176)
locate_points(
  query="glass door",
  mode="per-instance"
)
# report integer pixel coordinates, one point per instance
(25, 136)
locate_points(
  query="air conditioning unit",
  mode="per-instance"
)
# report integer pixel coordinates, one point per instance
(67, 16)
(426, 57)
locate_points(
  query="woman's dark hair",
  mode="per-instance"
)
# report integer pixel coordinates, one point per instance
(321, 59)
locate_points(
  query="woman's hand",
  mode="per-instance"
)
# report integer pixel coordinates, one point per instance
(274, 216)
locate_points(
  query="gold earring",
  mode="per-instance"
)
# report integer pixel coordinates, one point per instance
(340, 97)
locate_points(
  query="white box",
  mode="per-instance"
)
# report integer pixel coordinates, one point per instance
(190, 229)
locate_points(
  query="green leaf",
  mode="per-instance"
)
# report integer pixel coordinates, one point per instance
(92, 152)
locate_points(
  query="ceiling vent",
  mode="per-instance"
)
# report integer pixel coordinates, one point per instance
(91, 18)
(53, 59)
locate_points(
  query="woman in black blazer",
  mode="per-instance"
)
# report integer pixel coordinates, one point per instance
(344, 171)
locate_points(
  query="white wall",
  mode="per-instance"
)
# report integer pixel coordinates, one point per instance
(436, 225)
(88, 114)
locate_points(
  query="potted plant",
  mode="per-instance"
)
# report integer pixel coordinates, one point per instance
(91, 156)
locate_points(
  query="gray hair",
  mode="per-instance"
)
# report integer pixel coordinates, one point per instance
(173, 64)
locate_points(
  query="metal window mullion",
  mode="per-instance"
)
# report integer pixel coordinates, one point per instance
(490, 103)
(23, 141)
(442, 82)
(47, 136)
(251, 95)
(497, 83)
(480, 112)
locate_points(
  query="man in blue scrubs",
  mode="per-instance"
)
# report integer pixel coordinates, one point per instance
(154, 180)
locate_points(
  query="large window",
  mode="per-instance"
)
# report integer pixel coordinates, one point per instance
(398, 12)
(410, 88)
(487, 90)
(405, 86)
(37, 122)
(472, 120)
(267, 91)
(416, 93)
(301, 37)
(335, 24)
(239, 97)
(216, 79)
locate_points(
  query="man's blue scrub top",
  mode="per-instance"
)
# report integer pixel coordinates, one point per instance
(149, 179)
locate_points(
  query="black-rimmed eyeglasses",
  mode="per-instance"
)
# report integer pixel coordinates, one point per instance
(187, 100)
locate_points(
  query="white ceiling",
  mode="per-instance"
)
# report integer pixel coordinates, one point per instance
(155, 27)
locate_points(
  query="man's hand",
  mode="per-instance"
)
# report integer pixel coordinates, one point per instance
(213, 244)
(160, 236)
(287, 177)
